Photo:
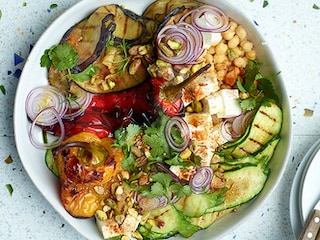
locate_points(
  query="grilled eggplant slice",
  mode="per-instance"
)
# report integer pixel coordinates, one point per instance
(125, 29)
(161, 8)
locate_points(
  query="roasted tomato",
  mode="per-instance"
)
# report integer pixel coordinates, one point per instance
(87, 167)
(170, 108)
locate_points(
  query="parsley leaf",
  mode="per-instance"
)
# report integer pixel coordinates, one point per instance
(86, 74)
(124, 139)
(255, 88)
(62, 56)
(163, 185)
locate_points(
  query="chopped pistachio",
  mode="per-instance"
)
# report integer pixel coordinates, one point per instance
(111, 84)
(99, 189)
(101, 215)
(132, 212)
(119, 190)
(161, 63)
(119, 218)
(134, 66)
(167, 51)
(174, 45)
(185, 153)
(197, 106)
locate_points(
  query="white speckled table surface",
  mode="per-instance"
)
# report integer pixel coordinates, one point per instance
(292, 31)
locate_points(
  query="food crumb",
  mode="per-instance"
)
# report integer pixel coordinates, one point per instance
(308, 112)
(8, 160)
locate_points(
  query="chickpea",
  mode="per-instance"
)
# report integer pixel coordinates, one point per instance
(208, 58)
(227, 35)
(218, 58)
(221, 48)
(240, 62)
(238, 52)
(246, 46)
(241, 32)
(221, 74)
(233, 25)
(211, 50)
(220, 66)
(251, 55)
(233, 42)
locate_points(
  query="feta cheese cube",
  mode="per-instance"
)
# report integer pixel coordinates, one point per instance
(201, 87)
(223, 103)
(213, 104)
(231, 107)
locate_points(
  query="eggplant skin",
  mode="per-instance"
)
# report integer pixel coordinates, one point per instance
(159, 9)
(89, 38)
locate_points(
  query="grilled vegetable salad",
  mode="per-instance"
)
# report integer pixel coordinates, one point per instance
(161, 123)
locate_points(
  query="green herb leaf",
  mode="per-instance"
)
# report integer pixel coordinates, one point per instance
(62, 56)
(2, 89)
(53, 6)
(0, 14)
(85, 75)
(265, 3)
(9, 188)
(248, 104)
(315, 7)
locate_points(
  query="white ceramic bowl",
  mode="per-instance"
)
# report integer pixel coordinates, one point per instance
(33, 159)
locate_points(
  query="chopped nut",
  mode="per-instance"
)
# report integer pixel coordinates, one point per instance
(119, 218)
(106, 208)
(167, 51)
(125, 237)
(132, 212)
(137, 235)
(136, 151)
(111, 84)
(111, 203)
(99, 189)
(174, 45)
(119, 190)
(185, 153)
(134, 66)
(125, 174)
(143, 179)
(140, 161)
(101, 215)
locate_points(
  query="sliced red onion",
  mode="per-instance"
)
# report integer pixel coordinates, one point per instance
(44, 97)
(151, 203)
(188, 36)
(183, 127)
(208, 18)
(56, 142)
(241, 122)
(227, 131)
(201, 180)
(166, 168)
(79, 106)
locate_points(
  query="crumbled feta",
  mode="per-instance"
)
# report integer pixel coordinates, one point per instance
(201, 87)
(210, 39)
(110, 228)
(223, 103)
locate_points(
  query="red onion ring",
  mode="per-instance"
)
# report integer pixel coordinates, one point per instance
(201, 180)
(188, 36)
(79, 106)
(148, 204)
(41, 98)
(184, 130)
(208, 18)
(227, 131)
(241, 122)
(57, 141)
